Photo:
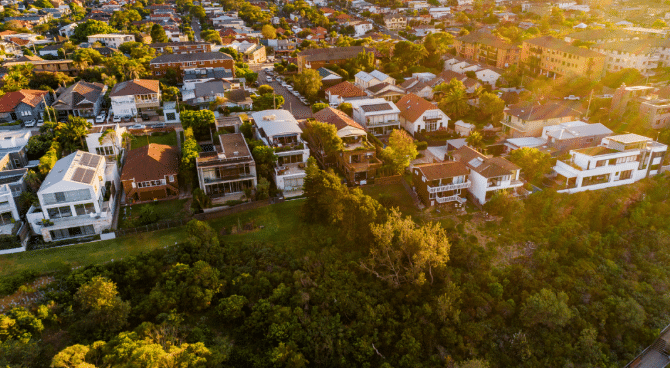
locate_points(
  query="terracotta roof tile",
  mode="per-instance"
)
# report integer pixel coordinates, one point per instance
(135, 87)
(10, 100)
(151, 162)
(412, 107)
(345, 89)
(443, 170)
(336, 117)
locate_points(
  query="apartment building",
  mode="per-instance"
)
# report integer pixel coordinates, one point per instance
(527, 120)
(441, 183)
(555, 58)
(76, 198)
(618, 160)
(655, 111)
(488, 49)
(279, 129)
(376, 115)
(574, 135)
(598, 36)
(111, 39)
(181, 62)
(318, 58)
(644, 55)
(65, 66)
(227, 170)
(187, 47)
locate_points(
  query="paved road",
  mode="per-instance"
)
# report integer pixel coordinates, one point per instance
(195, 25)
(292, 103)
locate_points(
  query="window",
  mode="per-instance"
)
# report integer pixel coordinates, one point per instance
(105, 151)
(84, 209)
(6, 218)
(59, 212)
(72, 232)
(171, 178)
(64, 197)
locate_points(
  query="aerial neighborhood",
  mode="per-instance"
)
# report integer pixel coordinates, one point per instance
(127, 117)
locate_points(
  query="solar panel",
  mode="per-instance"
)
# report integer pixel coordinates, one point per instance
(88, 176)
(95, 160)
(85, 158)
(78, 175)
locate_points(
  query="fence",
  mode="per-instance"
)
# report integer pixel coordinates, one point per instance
(233, 210)
(151, 227)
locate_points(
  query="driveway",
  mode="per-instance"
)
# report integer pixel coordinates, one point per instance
(292, 103)
(195, 25)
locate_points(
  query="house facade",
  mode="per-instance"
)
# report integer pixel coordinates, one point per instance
(151, 173)
(111, 145)
(279, 129)
(76, 198)
(358, 158)
(618, 160)
(111, 40)
(135, 97)
(80, 99)
(24, 105)
(180, 62)
(186, 47)
(555, 58)
(419, 115)
(318, 58)
(524, 120)
(395, 22)
(441, 183)
(376, 115)
(229, 169)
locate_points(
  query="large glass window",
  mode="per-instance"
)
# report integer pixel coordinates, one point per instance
(59, 212)
(65, 197)
(105, 151)
(6, 218)
(84, 209)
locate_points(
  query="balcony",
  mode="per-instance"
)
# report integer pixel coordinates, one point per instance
(453, 198)
(227, 178)
(448, 187)
(382, 123)
(290, 169)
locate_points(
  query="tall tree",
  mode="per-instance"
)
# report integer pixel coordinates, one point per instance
(269, 32)
(158, 34)
(400, 151)
(533, 162)
(308, 83)
(103, 311)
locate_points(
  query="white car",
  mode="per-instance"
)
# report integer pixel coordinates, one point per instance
(295, 93)
(572, 98)
(289, 87)
(137, 126)
(268, 79)
(30, 123)
(116, 119)
(100, 118)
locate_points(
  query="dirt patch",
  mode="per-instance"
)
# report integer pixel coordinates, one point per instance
(28, 295)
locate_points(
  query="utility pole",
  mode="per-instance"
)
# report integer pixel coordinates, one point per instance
(588, 109)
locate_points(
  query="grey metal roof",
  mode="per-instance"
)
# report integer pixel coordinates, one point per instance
(202, 73)
(209, 88)
(276, 122)
(198, 56)
(586, 130)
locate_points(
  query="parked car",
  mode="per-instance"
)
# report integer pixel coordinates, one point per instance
(100, 118)
(137, 126)
(159, 126)
(295, 93)
(116, 119)
(572, 98)
(40, 122)
(30, 123)
(268, 79)
(289, 87)
(304, 101)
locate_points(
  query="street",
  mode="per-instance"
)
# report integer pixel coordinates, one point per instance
(195, 25)
(292, 103)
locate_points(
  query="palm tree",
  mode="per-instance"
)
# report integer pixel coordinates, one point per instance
(75, 129)
(133, 69)
(475, 140)
(455, 103)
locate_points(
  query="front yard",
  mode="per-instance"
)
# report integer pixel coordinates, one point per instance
(140, 214)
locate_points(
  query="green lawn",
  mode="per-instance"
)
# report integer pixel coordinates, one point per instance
(88, 253)
(166, 210)
(168, 138)
(393, 195)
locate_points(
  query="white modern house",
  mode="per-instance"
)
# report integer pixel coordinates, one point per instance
(76, 198)
(376, 115)
(366, 80)
(279, 129)
(112, 142)
(618, 160)
(135, 97)
(419, 115)
(67, 30)
(113, 40)
(488, 175)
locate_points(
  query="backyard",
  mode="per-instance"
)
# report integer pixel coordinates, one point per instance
(145, 213)
(169, 139)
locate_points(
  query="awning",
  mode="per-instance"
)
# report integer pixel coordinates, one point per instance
(561, 171)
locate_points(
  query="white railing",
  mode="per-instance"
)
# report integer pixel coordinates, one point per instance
(444, 188)
(453, 198)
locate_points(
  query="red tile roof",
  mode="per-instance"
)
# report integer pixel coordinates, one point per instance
(345, 89)
(443, 170)
(135, 87)
(151, 162)
(10, 100)
(336, 117)
(412, 107)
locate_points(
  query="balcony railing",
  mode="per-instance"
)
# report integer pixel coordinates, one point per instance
(444, 188)
(453, 198)
(227, 178)
(382, 123)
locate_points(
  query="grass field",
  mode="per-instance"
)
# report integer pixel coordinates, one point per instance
(166, 210)
(88, 253)
(393, 195)
(140, 141)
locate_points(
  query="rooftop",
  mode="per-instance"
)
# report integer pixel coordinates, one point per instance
(443, 170)
(556, 44)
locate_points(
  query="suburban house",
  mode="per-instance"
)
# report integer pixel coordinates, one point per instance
(135, 97)
(187, 47)
(13, 149)
(556, 58)
(387, 91)
(50, 50)
(279, 129)
(80, 99)
(358, 158)
(463, 129)
(180, 62)
(227, 170)
(318, 58)
(10, 220)
(328, 77)
(618, 160)
(112, 40)
(24, 105)
(376, 115)
(254, 54)
(418, 87)
(489, 175)
(76, 198)
(343, 92)
(151, 172)
(65, 66)
(418, 115)
(366, 80)
(574, 135)
(395, 22)
(441, 183)
(523, 120)
(112, 141)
